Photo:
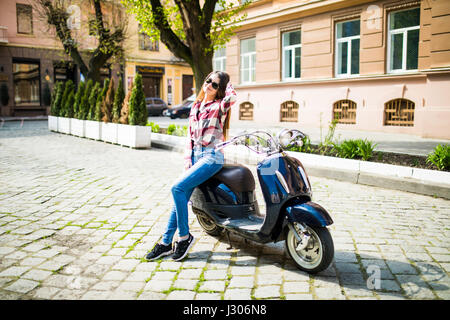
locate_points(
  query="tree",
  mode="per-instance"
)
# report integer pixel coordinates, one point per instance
(56, 103)
(137, 108)
(99, 102)
(190, 31)
(118, 100)
(92, 101)
(77, 102)
(68, 88)
(108, 29)
(107, 103)
(84, 104)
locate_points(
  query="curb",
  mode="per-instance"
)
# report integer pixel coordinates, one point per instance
(421, 181)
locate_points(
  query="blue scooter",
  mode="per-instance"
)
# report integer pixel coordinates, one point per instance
(227, 201)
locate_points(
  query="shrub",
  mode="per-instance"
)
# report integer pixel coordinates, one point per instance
(107, 103)
(78, 96)
(137, 109)
(155, 127)
(440, 157)
(69, 104)
(84, 103)
(64, 111)
(171, 129)
(98, 104)
(92, 101)
(55, 108)
(354, 149)
(118, 101)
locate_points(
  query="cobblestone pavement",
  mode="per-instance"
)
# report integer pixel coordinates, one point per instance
(78, 216)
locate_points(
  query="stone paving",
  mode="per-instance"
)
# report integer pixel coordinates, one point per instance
(78, 216)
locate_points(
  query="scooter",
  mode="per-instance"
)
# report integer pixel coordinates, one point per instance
(227, 201)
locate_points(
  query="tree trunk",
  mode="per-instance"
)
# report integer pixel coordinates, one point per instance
(202, 66)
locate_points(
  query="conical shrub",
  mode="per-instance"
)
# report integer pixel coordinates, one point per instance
(138, 110)
(118, 101)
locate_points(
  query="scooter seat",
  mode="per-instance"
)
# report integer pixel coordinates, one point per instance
(237, 177)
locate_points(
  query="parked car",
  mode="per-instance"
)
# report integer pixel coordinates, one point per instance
(155, 106)
(181, 110)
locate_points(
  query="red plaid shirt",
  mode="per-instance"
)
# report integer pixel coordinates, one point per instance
(206, 122)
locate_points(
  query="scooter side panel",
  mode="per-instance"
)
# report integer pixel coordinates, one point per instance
(309, 213)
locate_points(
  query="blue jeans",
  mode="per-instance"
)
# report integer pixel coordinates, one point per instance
(206, 162)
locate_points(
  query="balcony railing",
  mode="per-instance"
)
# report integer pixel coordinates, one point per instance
(3, 34)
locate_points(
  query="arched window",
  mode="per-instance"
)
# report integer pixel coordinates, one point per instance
(344, 111)
(246, 111)
(289, 111)
(399, 112)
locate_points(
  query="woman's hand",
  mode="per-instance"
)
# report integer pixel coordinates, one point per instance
(187, 164)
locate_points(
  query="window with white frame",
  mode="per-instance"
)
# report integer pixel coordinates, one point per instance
(248, 60)
(403, 41)
(220, 59)
(292, 49)
(347, 48)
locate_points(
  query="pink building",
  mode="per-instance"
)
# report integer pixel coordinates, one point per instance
(372, 65)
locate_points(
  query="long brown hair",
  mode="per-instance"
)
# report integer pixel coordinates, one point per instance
(224, 79)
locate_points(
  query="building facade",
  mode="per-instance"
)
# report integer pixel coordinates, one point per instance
(371, 65)
(32, 60)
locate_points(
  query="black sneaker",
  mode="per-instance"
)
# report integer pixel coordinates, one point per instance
(182, 248)
(159, 251)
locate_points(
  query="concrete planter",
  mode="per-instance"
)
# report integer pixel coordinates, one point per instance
(77, 127)
(64, 125)
(93, 130)
(53, 123)
(109, 132)
(134, 136)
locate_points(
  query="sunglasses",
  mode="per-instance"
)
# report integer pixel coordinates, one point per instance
(215, 85)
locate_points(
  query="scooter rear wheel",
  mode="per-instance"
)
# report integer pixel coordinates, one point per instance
(209, 226)
(317, 255)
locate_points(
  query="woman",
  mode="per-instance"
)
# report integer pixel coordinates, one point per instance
(208, 125)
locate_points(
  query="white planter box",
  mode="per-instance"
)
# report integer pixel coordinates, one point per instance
(64, 125)
(77, 127)
(93, 130)
(53, 123)
(134, 136)
(109, 132)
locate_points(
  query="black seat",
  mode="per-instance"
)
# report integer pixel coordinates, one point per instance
(238, 178)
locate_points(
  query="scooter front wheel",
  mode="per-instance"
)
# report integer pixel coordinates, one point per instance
(316, 255)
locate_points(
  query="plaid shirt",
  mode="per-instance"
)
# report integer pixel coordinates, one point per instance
(206, 122)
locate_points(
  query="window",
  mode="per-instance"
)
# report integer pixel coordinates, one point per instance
(403, 42)
(248, 60)
(344, 111)
(289, 111)
(146, 43)
(219, 59)
(246, 111)
(26, 83)
(347, 48)
(292, 47)
(24, 18)
(399, 112)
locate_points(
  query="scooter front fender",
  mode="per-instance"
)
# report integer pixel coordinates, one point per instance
(309, 213)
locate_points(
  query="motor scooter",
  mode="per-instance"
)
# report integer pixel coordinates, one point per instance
(227, 201)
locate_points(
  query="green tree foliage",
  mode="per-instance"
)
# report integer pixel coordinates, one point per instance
(138, 110)
(78, 96)
(84, 104)
(98, 103)
(68, 88)
(107, 23)
(92, 101)
(191, 29)
(107, 103)
(56, 104)
(68, 109)
(118, 101)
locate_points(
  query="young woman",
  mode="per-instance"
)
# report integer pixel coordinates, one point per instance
(208, 125)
